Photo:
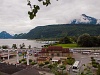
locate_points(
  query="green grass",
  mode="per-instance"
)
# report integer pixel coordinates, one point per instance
(67, 45)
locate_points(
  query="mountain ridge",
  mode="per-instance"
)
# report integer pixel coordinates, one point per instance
(5, 35)
(78, 26)
(61, 30)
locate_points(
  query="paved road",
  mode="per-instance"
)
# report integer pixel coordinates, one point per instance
(84, 59)
(14, 59)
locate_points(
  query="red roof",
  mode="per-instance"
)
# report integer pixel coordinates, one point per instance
(55, 48)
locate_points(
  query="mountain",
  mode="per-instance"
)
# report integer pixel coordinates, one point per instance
(60, 30)
(78, 26)
(5, 35)
(19, 36)
(84, 19)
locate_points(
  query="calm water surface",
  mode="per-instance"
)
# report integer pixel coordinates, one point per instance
(10, 42)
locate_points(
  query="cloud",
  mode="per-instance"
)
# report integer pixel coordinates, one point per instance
(14, 17)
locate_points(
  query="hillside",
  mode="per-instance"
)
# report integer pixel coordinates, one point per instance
(5, 35)
(61, 30)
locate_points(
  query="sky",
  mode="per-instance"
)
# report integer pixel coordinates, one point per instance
(14, 16)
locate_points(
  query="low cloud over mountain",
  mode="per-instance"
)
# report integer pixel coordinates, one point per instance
(84, 19)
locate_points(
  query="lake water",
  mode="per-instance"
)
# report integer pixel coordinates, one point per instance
(10, 42)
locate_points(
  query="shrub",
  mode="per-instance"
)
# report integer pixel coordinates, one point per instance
(5, 46)
(95, 65)
(70, 61)
(30, 60)
(33, 63)
(40, 65)
(92, 57)
(47, 62)
(50, 66)
(20, 61)
(63, 67)
(23, 60)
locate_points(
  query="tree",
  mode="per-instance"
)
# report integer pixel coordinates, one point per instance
(85, 40)
(36, 8)
(5, 47)
(14, 46)
(22, 46)
(62, 67)
(98, 71)
(29, 46)
(65, 40)
(50, 66)
(95, 41)
(86, 71)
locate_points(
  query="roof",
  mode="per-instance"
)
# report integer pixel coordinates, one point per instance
(29, 71)
(55, 48)
(58, 48)
(7, 69)
(55, 60)
(76, 63)
(42, 58)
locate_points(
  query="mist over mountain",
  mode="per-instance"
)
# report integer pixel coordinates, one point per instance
(84, 19)
(76, 27)
(5, 35)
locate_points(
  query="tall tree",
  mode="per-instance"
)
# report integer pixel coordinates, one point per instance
(65, 40)
(14, 46)
(85, 40)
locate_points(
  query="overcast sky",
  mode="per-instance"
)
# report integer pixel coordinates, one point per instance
(14, 17)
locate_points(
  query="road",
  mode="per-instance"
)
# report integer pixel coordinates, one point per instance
(14, 59)
(84, 59)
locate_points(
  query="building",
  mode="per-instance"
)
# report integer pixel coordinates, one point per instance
(10, 69)
(55, 51)
(42, 59)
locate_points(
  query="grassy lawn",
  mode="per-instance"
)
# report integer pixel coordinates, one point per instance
(67, 45)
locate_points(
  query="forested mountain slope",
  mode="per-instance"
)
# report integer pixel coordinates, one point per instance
(61, 30)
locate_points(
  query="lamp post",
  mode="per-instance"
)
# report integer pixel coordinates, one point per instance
(8, 55)
(27, 57)
(17, 57)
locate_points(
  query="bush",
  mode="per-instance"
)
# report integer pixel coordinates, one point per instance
(50, 66)
(95, 65)
(63, 67)
(5, 46)
(33, 63)
(40, 65)
(92, 57)
(98, 70)
(30, 60)
(70, 61)
(20, 61)
(23, 60)
(47, 62)
(93, 60)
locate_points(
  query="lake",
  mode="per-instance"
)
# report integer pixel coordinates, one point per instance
(10, 42)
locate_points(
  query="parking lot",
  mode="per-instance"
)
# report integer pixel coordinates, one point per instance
(84, 59)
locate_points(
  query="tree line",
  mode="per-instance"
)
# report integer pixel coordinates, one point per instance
(84, 40)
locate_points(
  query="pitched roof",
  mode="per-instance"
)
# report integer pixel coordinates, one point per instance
(7, 69)
(29, 71)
